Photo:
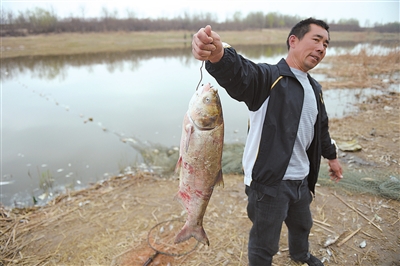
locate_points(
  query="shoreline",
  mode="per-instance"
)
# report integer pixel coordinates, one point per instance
(77, 43)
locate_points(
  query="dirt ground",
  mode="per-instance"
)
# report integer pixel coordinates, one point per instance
(110, 223)
(117, 222)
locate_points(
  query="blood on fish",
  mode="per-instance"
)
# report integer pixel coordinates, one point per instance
(188, 167)
(198, 193)
(184, 195)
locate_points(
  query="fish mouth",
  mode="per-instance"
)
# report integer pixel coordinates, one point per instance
(205, 88)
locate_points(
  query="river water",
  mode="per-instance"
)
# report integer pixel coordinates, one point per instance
(68, 121)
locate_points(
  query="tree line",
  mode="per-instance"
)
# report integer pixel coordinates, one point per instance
(40, 20)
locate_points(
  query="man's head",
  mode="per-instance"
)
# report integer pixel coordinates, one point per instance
(301, 28)
(307, 43)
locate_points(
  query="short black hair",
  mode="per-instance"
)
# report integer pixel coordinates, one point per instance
(301, 28)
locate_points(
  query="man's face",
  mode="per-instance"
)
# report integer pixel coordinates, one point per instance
(309, 51)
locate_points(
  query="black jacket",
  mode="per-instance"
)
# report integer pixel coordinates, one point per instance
(251, 83)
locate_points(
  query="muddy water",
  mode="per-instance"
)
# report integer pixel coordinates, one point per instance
(68, 121)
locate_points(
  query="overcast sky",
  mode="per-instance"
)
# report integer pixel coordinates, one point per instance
(381, 11)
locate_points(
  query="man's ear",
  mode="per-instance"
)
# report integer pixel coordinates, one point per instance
(293, 40)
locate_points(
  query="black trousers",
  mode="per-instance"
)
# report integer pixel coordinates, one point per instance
(292, 206)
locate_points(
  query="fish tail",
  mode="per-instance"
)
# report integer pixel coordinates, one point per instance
(197, 232)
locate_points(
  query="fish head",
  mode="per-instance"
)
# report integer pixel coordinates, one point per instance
(205, 108)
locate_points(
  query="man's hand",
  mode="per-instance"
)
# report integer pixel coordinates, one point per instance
(207, 45)
(335, 170)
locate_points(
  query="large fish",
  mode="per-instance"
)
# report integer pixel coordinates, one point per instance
(199, 164)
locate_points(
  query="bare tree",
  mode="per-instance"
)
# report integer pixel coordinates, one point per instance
(82, 10)
(130, 13)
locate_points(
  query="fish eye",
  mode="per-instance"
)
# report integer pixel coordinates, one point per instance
(206, 99)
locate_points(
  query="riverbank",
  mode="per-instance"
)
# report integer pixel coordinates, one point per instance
(76, 43)
(110, 222)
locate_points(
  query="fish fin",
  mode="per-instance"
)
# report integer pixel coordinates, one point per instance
(189, 130)
(219, 180)
(178, 199)
(178, 165)
(197, 232)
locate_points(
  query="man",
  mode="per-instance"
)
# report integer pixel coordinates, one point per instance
(288, 133)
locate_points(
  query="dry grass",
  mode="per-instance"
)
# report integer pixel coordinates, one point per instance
(362, 70)
(362, 37)
(86, 227)
(76, 43)
(109, 223)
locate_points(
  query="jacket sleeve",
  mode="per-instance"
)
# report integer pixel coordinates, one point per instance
(328, 147)
(243, 79)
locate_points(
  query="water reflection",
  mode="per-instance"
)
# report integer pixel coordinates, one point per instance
(70, 120)
(52, 67)
(342, 102)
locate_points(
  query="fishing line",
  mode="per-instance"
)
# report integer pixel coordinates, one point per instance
(201, 75)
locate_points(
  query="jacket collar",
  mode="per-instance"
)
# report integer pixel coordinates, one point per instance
(284, 69)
